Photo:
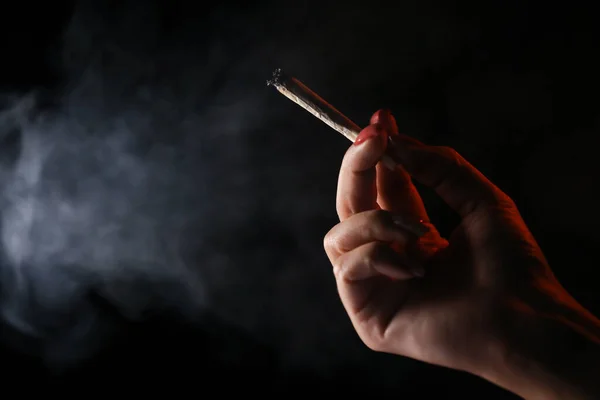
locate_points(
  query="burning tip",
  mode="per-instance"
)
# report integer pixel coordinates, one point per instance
(277, 79)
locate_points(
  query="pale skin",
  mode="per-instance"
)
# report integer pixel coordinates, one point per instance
(483, 300)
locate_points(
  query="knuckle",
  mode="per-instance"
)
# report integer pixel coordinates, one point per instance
(331, 241)
(373, 336)
(379, 218)
(503, 204)
(451, 156)
(373, 343)
(346, 268)
(452, 163)
(327, 241)
(338, 269)
(369, 256)
(379, 223)
(508, 203)
(447, 151)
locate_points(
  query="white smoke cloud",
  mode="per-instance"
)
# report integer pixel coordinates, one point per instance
(164, 177)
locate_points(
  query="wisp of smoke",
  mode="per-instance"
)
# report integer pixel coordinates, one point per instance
(80, 211)
(155, 180)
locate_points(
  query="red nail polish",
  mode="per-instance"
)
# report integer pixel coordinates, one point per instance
(381, 117)
(366, 134)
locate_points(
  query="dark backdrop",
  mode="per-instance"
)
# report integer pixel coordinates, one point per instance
(163, 210)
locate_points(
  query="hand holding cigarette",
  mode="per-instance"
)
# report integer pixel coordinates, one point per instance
(484, 301)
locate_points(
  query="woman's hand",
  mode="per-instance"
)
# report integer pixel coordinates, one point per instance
(476, 302)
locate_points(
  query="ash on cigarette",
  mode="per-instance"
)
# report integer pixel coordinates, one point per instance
(277, 78)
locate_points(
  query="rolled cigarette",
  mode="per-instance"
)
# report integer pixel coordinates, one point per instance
(300, 94)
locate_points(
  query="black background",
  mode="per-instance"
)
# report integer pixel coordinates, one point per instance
(512, 85)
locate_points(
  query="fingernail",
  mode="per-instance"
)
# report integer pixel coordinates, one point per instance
(384, 116)
(380, 116)
(417, 227)
(365, 135)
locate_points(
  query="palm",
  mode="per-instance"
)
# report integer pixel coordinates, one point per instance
(425, 318)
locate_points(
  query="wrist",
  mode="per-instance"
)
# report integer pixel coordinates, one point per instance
(548, 356)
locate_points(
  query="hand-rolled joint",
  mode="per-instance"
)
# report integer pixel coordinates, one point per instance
(300, 94)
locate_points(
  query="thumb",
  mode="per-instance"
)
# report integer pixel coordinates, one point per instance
(357, 190)
(455, 180)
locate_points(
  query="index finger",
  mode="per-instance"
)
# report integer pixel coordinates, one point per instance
(357, 187)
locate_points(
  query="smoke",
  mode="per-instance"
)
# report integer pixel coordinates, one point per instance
(82, 209)
(166, 176)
